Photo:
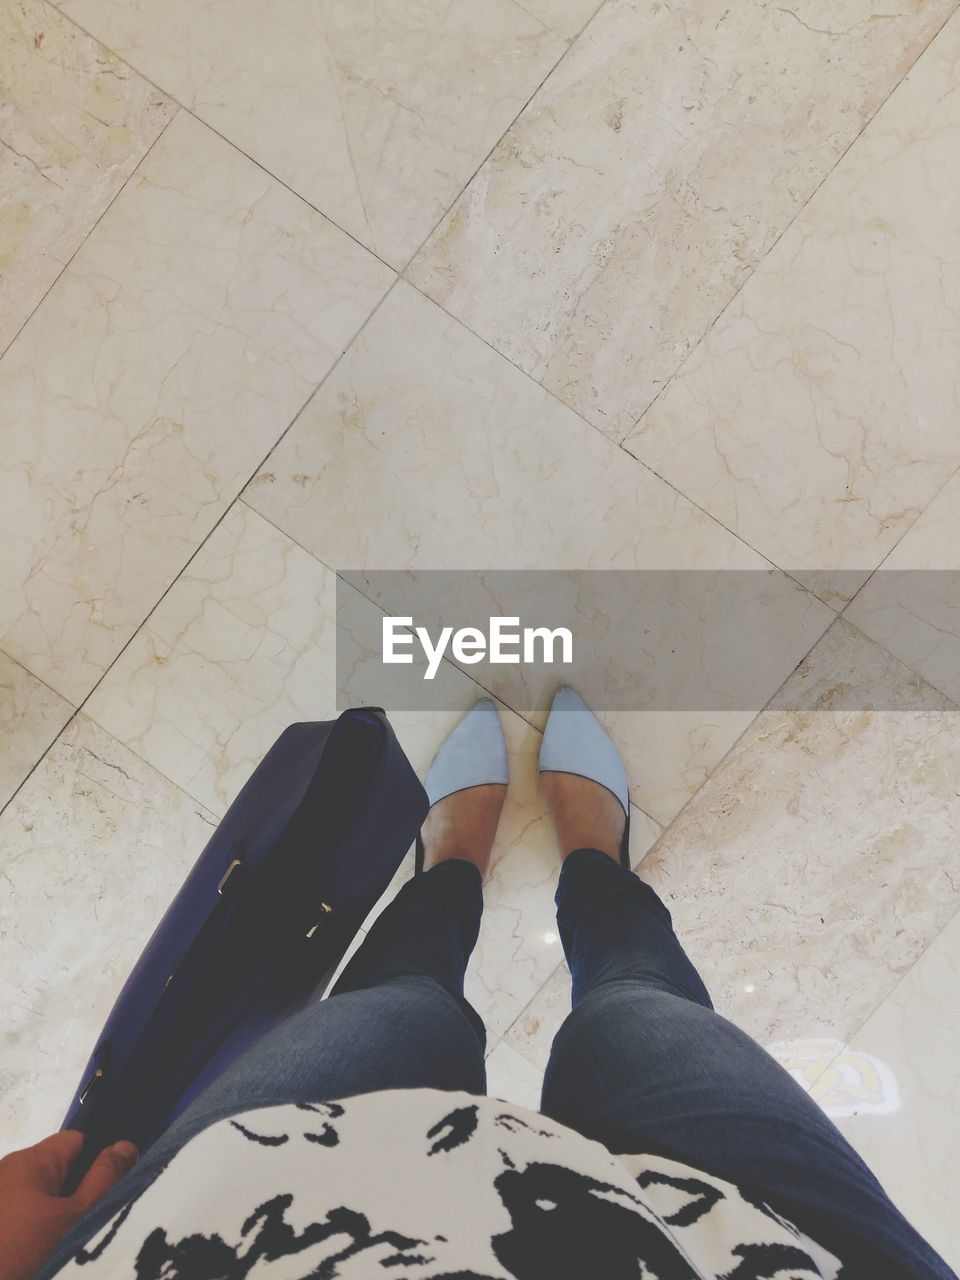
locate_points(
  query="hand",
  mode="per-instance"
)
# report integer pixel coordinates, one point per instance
(34, 1216)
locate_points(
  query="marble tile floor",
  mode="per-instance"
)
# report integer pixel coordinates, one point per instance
(530, 284)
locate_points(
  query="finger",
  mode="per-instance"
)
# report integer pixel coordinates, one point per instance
(48, 1162)
(106, 1171)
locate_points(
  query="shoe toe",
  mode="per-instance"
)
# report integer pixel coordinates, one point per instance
(574, 741)
(473, 755)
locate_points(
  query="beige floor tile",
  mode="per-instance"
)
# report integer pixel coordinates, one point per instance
(172, 353)
(818, 417)
(911, 1141)
(819, 860)
(74, 123)
(79, 909)
(531, 1035)
(911, 606)
(377, 114)
(824, 844)
(650, 175)
(240, 647)
(566, 17)
(31, 716)
(512, 1078)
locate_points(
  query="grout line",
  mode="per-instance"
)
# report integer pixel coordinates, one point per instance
(534, 18)
(850, 1036)
(74, 712)
(106, 209)
(668, 826)
(549, 978)
(231, 504)
(446, 213)
(802, 209)
(33, 676)
(920, 514)
(612, 444)
(597, 7)
(621, 443)
(238, 497)
(182, 106)
(914, 671)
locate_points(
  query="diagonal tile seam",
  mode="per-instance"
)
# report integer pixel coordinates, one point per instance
(733, 298)
(536, 89)
(63, 728)
(838, 609)
(613, 444)
(526, 12)
(727, 305)
(906, 662)
(569, 39)
(949, 480)
(223, 138)
(17, 663)
(852, 1035)
(74, 713)
(79, 708)
(88, 234)
(668, 382)
(567, 45)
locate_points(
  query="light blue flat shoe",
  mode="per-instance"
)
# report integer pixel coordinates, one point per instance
(574, 741)
(474, 754)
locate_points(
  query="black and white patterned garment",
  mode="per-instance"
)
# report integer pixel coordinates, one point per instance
(423, 1185)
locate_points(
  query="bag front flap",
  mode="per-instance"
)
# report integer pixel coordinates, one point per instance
(354, 818)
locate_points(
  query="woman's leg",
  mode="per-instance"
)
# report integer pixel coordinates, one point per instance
(396, 1019)
(643, 1064)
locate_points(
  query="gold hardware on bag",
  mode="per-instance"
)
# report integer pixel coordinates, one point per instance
(326, 909)
(97, 1075)
(228, 876)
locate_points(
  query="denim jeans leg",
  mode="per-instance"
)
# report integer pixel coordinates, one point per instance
(644, 1065)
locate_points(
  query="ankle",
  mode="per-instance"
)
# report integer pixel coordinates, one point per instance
(585, 814)
(462, 827)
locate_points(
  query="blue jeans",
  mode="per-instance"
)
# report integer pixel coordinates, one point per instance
(642, 1063)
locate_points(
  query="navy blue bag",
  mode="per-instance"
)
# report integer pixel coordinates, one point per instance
(258, 926)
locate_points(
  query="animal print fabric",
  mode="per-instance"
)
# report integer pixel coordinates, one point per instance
(424, 1185)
